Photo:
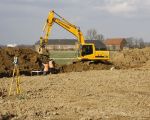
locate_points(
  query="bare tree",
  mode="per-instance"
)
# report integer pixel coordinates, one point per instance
(141, 43)
(93, 35)
(135, 42)
(100, 37)
(130, 42)
(147, 44)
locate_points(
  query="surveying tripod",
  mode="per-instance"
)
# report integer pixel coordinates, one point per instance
(16, 77)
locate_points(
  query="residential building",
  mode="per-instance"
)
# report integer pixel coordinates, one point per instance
(115, 44)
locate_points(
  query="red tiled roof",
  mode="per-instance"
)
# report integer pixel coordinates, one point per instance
(114, 41)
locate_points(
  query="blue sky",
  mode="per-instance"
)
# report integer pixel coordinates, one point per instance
(22, 20)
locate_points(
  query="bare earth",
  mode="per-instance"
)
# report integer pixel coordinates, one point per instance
(87, 95)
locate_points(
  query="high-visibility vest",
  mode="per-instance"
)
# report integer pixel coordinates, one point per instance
(46, 67)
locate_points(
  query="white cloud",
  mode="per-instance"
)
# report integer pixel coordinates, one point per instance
(120, 7)
(124, 7)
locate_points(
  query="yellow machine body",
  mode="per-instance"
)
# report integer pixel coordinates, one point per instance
(86, 51)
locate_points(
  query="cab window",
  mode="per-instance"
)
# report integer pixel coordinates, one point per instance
(87, 50)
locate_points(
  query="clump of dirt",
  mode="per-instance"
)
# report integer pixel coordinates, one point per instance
(147, 64)
(7, 116)
(134, 58)
(85, 66)
(28, 60)
(3, 93)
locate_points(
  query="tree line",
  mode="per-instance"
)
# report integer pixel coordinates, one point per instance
(132, 42)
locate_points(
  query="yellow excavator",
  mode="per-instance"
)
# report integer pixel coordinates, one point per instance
(86, 51)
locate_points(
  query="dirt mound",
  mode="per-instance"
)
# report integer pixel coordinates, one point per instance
(131, 58)
(80, 66)
(126, 59)
(28, 60)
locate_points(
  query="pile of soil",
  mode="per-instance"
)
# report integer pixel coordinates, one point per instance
(31, 60)
(126, 59)
(28, 60)
(85, 66)
(134, 58)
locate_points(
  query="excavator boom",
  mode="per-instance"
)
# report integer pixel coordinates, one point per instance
(64, 24)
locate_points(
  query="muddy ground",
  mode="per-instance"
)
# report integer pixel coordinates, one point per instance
(88, 95)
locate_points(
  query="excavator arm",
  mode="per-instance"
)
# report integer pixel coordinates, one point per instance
(51, 19)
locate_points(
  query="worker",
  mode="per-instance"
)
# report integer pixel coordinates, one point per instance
(46, 68)
(51, 66)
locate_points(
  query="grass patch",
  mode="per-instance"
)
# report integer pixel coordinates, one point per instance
(63, 54)
(63, 57)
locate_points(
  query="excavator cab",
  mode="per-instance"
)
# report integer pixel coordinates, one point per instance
(86, 50)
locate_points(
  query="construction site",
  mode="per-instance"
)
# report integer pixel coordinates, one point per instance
(101, 84)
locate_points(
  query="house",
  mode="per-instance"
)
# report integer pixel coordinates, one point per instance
(69, 44)
(115, 44)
